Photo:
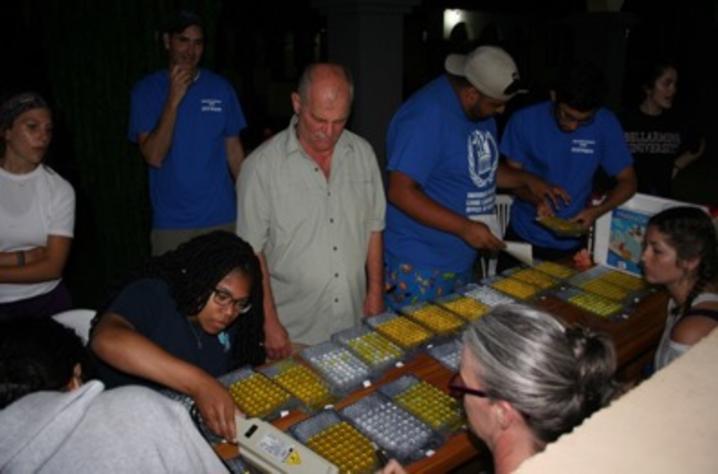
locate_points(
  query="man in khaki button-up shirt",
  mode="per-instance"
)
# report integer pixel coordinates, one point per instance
(311, 203)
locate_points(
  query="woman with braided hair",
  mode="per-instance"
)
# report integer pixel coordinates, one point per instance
(191, 315)
(680, 254)
(526, 379)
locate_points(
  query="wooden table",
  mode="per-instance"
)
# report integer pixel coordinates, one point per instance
(635, 339)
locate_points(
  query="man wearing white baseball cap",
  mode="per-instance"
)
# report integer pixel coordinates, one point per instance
(443, 163)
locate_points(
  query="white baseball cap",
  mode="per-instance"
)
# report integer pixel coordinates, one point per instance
(490, 69)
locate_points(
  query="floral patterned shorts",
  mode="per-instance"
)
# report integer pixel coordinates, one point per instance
(405, 284)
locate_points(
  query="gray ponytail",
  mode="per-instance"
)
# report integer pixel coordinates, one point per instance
(554, 376)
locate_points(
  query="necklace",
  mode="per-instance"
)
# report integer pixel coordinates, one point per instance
(196, 335)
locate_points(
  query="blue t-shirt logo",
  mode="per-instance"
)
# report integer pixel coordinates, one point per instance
(211, 105)
(483, 157)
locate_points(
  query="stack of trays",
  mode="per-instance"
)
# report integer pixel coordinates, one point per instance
(512, 287)
(423, 400)
(611, 284)
(448, 354)
(486, 295)
(395, 430)
(402, 331)
(338, 442)
(343, 370)
(256, 395)
(300, 381)
(374, 349)
(439, 320)
(469, 309)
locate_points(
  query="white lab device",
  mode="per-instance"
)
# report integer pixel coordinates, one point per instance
(273, 451)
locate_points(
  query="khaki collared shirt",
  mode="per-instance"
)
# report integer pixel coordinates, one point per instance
(314, 232)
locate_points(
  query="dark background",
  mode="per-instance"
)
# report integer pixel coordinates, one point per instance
(84, 57)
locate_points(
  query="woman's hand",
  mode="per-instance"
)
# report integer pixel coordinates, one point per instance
(216, 406)
(393, 467)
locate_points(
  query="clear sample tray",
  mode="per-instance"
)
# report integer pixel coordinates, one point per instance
(402, 331)
(423, 400)
(448, 354)
(302, 382)
(338, 442)
(512, 287)
(256, 395)
(399, 433)
(469, 309)
(439, 320)
(374, 349)
(593, 303)
(618, 278)
(486, 295)
(343, 370)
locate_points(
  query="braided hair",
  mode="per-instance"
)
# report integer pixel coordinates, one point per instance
(554, 376)
(691, 233)
(38, 354)
(192, 272)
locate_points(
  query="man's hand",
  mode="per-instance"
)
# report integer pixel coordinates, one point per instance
(478, 235)
(276, 339)
(544, 209)
(587, 216)
(216, 406)
(373, 302)
(180, 80)
(547, 193)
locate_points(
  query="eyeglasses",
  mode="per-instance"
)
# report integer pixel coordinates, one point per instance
(223, 298)
(565, 117)
(458, 388)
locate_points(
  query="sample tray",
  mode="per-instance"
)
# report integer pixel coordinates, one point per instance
(562, 227)
(624, 280)
(468, 309)
(448, 354)
(398, 432)
(374, 349)
(593, 303)
(515, 288)
(439, 320)
(423, 400)
(532, 276)
(554, 269)
(256, 395)
(485, 294)
(343, 370)
(402, 331)
(338, 442)
(302, 382)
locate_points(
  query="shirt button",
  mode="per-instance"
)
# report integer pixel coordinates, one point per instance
(336, 275)
(334, 248)
(331, 220)
(329, 193)
(316, 170)
(336, 300)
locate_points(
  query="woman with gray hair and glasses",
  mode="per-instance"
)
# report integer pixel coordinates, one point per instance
(526, 379)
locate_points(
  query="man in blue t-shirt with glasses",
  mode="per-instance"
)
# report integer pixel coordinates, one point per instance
(443, 163)
(564, 141)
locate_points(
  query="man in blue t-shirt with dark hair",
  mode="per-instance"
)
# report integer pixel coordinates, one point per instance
(443, 172)
(186, 121)
(565, 140)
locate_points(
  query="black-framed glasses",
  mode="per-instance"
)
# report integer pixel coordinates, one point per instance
(458, 388)
(563, 116)
(224, 299)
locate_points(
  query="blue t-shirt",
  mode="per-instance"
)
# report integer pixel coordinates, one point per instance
(193, 187)
(454, 160)
(533, 139)
(148, 305)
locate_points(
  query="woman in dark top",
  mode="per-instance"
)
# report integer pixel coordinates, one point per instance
(191, 315)
(661, 143)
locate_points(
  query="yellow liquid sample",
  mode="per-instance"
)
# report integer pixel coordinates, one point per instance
(345, 447)
(257, 396)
